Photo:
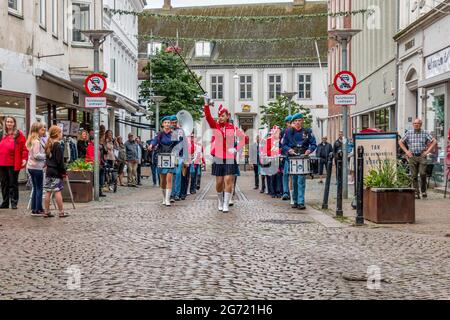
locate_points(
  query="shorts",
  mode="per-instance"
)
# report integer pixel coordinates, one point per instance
(53, 184)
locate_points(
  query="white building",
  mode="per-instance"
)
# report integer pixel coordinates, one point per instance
(424, 72)
(120, 56)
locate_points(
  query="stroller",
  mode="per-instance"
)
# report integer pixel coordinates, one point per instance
(111, 174)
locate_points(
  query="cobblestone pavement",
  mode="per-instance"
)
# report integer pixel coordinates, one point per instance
(129, 246)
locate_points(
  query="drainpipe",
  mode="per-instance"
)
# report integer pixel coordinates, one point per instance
(397, 70)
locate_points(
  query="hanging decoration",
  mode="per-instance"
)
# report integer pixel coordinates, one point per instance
(203, 18)
(230, 40)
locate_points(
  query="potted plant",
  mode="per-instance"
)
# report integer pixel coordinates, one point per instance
(81, 177)
(388, 197)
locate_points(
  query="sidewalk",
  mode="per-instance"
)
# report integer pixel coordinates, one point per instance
(432, 214)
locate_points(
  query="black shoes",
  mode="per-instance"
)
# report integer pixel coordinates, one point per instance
(285, 197)
(301, 207)
(177, 198)
(256, 188)
(14, 206)
(294, 206)
(424, 195)
(262, 191)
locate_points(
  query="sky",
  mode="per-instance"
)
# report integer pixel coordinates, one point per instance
(190, 3)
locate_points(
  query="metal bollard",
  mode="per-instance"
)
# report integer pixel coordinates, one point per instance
(360, 187)
(327, 181)
(339, 211)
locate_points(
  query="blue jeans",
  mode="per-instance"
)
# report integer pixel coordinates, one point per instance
(155, 176)
(299, 185)
(37, 179)
(193, 171)
(286, 178)
(176, 181)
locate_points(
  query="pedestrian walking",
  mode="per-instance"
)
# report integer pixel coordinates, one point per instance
(224, 151)
(131, 150)
(55, 172)
(323, 151)
(13, 157)
(420, 143)
(164, 144)
(35, 166)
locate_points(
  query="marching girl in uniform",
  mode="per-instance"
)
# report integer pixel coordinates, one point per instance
(164, 143)
(224, 151)
(284, 163)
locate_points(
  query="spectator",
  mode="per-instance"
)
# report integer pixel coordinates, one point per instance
(13, 157)
(56, 171)
(90, 153)
(35, 166)
(132, 160)
(140, 157)
(121, 159)
(322, 152)
(82, 144)
(110, 160)
(337, 147)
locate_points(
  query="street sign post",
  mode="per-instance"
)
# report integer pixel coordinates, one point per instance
(345, 82)
(95, 85)
(345, 99)
(95, 102)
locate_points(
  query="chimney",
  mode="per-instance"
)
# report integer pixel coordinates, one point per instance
(299, 2)
(167, 5)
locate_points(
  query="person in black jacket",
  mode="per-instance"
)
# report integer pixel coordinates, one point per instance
(322, 152)
(82, 144)
(337, 147)
(56, 171)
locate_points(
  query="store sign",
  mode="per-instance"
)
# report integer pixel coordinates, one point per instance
(345, 99)
(246, 108)
(95, 102)
(437, 63)
(377, 147)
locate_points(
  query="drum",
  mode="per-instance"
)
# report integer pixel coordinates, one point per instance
(299, 166)
(267, 162)
(166, 161)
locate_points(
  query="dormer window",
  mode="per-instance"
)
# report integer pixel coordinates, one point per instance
(154, 48)
(203, 49)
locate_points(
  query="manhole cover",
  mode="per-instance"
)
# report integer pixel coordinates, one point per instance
(285, 221)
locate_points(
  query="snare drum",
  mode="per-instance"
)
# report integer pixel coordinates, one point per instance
(299, 166)
(166, 161)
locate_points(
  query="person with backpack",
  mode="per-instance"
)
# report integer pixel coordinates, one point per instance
(13, 158)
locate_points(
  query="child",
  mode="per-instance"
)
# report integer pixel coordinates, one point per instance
(56, 171)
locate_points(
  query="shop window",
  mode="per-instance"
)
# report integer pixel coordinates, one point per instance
(382, 119)
(364, 121)
(15, 107)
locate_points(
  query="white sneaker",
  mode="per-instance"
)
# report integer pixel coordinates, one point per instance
(220, 201)
(226, 202)
(164, 196)
(168, 192)
(292, 197)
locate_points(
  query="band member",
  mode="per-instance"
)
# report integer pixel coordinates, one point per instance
(298, 141)
(165, 143)
(224, 151)
(285, 163)
(238, 171)
(179, 173)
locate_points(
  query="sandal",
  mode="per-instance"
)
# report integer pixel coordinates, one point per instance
(63, 215)
(48, 215)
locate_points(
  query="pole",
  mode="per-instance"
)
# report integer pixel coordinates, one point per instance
(96, 128)
(360, 187)
(339, 211)
(157, 118)
(345, 129)
(327, 181)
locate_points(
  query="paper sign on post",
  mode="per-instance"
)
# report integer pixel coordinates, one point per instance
(95, 102)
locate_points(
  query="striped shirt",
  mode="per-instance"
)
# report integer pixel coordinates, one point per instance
(417, 140)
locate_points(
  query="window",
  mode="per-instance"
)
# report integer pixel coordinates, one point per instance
(80, 21)
(245, 87)
(55, 17)
(274, 86)
(113, 70)
(217, 87)
(43, 13)
(382, 119)
(64, 20)
(364, 121)
(304, 86)
(153, 48)
(15, 6)
(203, 49)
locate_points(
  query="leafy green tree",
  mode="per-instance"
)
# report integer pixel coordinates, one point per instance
(276, 111)
(170, 78)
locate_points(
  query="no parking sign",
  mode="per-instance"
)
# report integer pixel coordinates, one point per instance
(95, 85)
(345, 82)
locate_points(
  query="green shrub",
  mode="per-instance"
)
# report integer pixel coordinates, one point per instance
(387, 174)
(80, 165)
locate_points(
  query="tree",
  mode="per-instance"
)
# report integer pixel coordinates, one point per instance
(171, 79)
(276, 111)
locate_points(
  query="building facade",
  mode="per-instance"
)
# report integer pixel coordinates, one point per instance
(373, 61)
(424, 73)
(244, 76)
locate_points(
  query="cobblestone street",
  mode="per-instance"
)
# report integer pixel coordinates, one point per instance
(128, 246)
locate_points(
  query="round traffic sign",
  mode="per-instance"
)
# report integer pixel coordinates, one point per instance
(345, 82)
(95, 85)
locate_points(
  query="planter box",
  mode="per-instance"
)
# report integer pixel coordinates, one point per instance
(82, 185)
(389, 205)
